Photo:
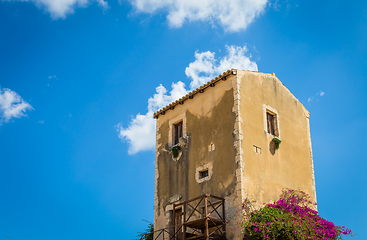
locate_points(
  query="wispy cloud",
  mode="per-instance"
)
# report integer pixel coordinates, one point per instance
(51, 78)
(12, 105)
(61, 8)
(315, 98)
(232, 15)
(140, 134)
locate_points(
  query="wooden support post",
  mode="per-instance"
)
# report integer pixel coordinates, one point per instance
(174, 221)
(184, 221)
(224, 218)
(206, 218)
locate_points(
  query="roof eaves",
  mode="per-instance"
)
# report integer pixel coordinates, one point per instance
(191, 94)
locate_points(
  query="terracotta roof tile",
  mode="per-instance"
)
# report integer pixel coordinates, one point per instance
(191, 94)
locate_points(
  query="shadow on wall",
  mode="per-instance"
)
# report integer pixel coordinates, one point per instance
(271, 148)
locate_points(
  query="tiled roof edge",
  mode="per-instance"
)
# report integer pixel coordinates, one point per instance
(191, 94)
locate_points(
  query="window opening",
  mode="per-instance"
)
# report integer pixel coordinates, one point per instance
(177, 132)
(272, 123)
(270, 119)
(203, 174)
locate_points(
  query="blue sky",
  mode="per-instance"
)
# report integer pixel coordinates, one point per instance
(80, 78)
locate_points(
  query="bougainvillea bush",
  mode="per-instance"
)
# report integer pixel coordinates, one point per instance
(291, 217)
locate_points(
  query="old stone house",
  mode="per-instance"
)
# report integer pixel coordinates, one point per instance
(218, 140)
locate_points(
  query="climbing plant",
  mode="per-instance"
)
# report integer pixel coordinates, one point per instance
(276, 142)
(292, 216)
(148, 233)
(175, 151)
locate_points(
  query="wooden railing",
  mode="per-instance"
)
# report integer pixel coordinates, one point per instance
(163, 234)
(202, 218)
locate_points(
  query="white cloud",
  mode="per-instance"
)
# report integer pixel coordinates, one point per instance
(61, 8)
(321, 93)
(205, 66)
(12, 105)
(140, 134)
(232, 15)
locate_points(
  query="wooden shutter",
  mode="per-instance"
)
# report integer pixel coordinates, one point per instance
(275, 124)
(179, 130)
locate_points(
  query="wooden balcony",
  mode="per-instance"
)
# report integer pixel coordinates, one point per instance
(200, 218)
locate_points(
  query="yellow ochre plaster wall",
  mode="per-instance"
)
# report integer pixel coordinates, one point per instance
(291, 166)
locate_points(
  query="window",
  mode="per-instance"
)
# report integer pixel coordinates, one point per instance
(177, 128)
(272, 123)
(203, 174)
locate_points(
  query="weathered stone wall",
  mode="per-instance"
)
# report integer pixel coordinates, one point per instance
(209, 126)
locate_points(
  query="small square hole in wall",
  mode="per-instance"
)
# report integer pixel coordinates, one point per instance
(203, 173)
(256, 149)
